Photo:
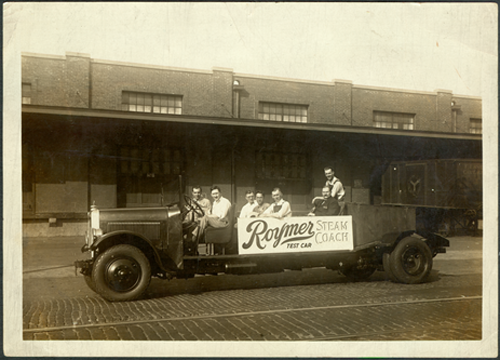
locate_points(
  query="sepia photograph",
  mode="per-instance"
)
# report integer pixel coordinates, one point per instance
(250, 179)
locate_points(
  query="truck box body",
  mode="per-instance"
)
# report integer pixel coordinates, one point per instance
(451, 184)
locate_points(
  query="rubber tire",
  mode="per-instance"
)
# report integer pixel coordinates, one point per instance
(355, 274)
(127, 252)
(396, 261)
(89, 280)
(387, 267)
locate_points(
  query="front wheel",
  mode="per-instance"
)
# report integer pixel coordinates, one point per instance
(411, 261)
(89, 280)
(121, 273)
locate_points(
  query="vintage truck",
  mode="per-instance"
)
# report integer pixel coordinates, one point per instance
(128, 246)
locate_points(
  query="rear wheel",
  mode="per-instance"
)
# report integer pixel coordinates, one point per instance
(411, 261)
(121, 273)
(355, 274)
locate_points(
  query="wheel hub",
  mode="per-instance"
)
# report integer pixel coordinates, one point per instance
(123, 274)
(412, 262)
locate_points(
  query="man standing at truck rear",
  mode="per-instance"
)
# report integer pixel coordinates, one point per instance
(336, 187)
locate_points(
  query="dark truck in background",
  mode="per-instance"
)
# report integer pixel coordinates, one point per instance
(128, 246)
(446, 194)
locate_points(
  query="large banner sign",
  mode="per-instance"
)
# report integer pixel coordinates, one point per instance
(266, 235)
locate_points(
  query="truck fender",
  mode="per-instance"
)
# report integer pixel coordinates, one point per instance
(393, 238)
(131, 238)
(434, 240)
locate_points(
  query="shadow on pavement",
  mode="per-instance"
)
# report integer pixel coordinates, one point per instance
(200, 284)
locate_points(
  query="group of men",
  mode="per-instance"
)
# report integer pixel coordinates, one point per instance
(330, 203)
(256, 206)
(217, 214)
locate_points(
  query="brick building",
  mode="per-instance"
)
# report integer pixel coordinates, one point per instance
(120, 134)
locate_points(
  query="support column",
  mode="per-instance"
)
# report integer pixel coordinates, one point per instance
(342, 105)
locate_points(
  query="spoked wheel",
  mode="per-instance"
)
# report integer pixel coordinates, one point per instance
(355, 274)
(411, 261)
(121, 273)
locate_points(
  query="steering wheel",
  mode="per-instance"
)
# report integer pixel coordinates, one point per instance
(193, 206)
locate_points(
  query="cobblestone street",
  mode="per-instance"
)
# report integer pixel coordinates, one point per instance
(440, 320)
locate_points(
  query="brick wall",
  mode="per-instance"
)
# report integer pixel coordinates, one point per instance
(366, 101)
(58, 81)
(319, 97)
(222, 92)
(108, 82)
(64, 81)
(343, 103)
(469, 108)
(443, 112)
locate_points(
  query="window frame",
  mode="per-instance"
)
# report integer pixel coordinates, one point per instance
(26, 93)
(151, 103)
(143, 160)
(401, 125)
(283, 112)
(474, 129)
(282, 165)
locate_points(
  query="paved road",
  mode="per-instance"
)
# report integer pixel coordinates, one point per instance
(315, 304)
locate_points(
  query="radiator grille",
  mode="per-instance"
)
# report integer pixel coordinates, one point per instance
(150, 230)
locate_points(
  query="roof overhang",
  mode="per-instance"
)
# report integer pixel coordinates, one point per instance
(125, 115)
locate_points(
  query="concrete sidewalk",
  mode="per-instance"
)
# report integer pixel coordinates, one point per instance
(54, 257)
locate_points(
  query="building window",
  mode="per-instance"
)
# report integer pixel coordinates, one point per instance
(151, 103)
(26, 90)
(273, 165)
(282, 112)
(150, 161)
(390, 120)
(476, 126)
(148, 175)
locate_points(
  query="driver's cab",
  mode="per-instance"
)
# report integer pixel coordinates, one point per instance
(191, 214)
(212, 240)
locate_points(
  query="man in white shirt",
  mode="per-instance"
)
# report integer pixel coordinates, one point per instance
(280, 208)
(218, 217)
(334, 184)
(248, 208)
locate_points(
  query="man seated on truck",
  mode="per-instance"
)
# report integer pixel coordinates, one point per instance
(201, 200)
(261, 206)
(218, 216)
(326, 205)
(247, 209)
(191, 221)
(280, 208)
